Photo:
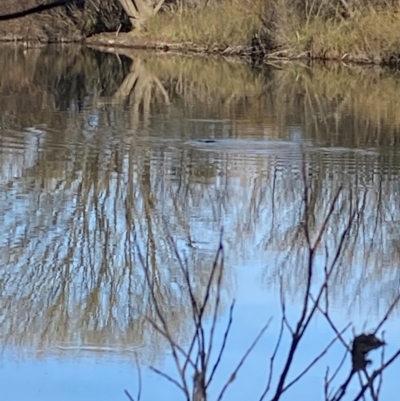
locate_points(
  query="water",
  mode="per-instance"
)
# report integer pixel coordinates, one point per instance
(105, 157)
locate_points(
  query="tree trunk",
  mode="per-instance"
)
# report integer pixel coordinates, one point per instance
(139, 11)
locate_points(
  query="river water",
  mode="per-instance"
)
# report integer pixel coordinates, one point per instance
(111, 164)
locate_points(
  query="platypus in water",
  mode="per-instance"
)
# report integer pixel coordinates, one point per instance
(207, 140)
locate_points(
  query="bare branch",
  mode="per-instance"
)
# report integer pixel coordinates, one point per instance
(128, 395)
(284, 323)
(226, 334)
(241, 362)
(167, 335)
(338, 367)
(35, 10)
(170, 340)
(316, 359)
(216, 308)
(328, 216)
(387, 314)
(169, 378)
(379, 388)
(376, 373)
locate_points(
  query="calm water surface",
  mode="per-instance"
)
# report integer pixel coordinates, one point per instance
(98, 151)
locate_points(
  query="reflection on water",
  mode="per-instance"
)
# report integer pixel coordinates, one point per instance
(98, 151)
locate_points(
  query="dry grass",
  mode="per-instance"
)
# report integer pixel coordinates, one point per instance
(230, 22)
(370, 37)
(323, 30)
(365, 31)
(368, 32)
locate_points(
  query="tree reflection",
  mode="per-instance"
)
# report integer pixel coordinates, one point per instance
(100, 159)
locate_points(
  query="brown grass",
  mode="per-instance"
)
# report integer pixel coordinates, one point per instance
(370, 37)
(326, 30)
(228, 22)
(365, 32)
(318, 29)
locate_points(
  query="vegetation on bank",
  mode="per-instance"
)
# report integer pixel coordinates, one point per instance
(363, 31)
(225, 23)
(319, 29)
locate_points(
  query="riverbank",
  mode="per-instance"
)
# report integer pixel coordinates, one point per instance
(265, 30)
(258, 29)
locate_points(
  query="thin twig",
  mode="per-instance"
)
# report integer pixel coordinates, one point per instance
(342, 389)
(327, 218)
(167, 335)
(316, 359)
(380, 382)
(376, 373)
(226, 334)
(216, 308)
(278, 342)
(128, 395)
(339, 367)
(241, 362)
(329, 273)
(170, 340)
(168, 377)
(306, 316)
(198, 310)
(387, 314)
(334, 328)
(326, 384)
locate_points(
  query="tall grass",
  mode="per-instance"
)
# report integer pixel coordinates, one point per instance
(229, 22)
(363, 30)
(371, 36)
(366, 31)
